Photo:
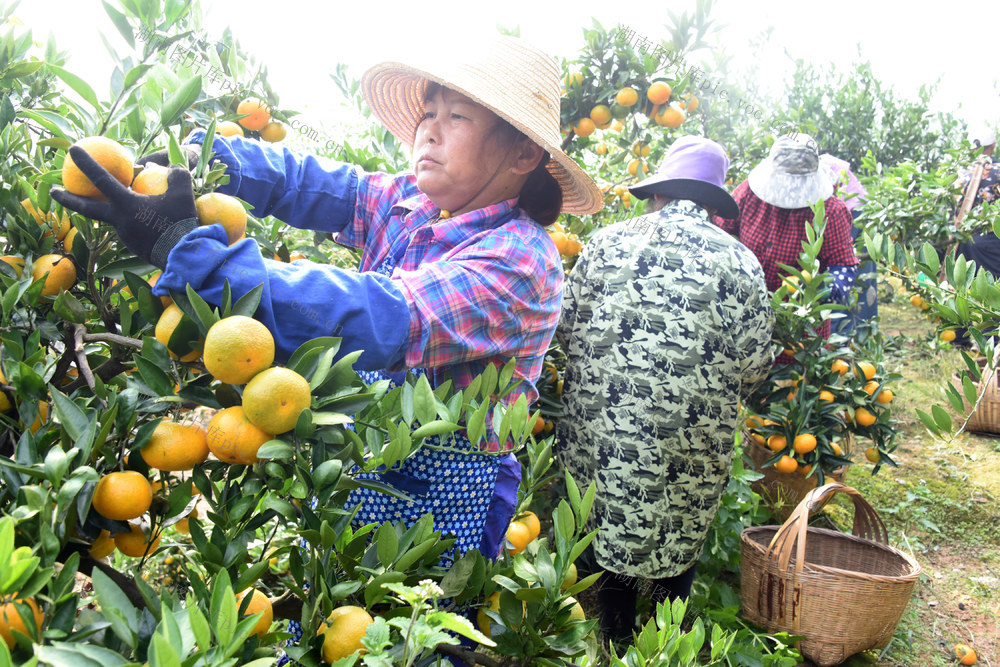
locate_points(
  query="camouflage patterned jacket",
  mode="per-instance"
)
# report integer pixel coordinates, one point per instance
(666, 323)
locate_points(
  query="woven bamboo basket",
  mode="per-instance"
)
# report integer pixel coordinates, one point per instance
(986, 417)
(782, 492)
(842, 593)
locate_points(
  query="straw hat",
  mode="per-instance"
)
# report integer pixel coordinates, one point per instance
(790, 177)
(508, 76)
(694, 168)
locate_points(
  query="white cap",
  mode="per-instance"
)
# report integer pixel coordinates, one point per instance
(982, 135)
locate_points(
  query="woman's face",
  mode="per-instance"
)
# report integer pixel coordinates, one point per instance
(459, 162)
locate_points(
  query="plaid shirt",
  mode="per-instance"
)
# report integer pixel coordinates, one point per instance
(775, 235)
(481, 287)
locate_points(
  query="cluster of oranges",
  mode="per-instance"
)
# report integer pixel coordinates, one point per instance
(947, 335)
(799, 448)
(57, 270)
(656, 105)
(256, 117)
(568, 243)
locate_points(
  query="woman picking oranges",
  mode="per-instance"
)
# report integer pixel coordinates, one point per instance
(457, 271)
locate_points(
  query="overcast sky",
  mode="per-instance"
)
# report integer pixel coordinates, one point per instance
(301, 40)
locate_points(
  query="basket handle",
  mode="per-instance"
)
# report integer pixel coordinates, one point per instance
(792, 534)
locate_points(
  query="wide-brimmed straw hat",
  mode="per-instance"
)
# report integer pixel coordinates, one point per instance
(694, 168)
(510, 77)
(790, 177)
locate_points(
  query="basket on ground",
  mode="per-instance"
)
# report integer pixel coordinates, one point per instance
(782, 492)
(986, 417)
(842, 593)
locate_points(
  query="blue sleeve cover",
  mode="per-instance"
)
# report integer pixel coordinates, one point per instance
(302, 190)
(843, 280)
(300, 301)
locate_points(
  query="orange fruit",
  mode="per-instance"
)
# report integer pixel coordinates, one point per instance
(576, 611)
(671, 117)
(237, 348)
(804, 470)
(273, 131)
(753, 421)
(786, 464)
(574, 79)
(136, 542)
(600, 114)
(109, 154)
(885, 397)
(867, 369)
(103, 546)
(152, 180)
(863, 417)
(256, 112)
(617, 125)
(5, 403)
(840, 366)
(10, 619)
(43, 415)
(873, 455)
(165, 326)
(627, 96)
(343, 631)
(232, 438)
(274, 399)
(965, 654)
(836, 449)
(584, 127)
(635, 166)
(538, 425)
(658, 92)
(915, 300)
(571, 577)
(693, 104)
(561, 241)
(519, 535)
(123, 495)
(50, 220)
(152, 280)
(61, 273)
(68, 240)
(16, 263)
(804, 443)
(601, 148)
(258, 603)
(225, 210)
(948, 335)
(826, 396)
(228, 128)
(871, 387)
(777, 442)
(640, 149)
(530, 520)
(175, 446)
(759, 439)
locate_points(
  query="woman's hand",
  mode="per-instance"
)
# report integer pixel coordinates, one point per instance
(149, 225)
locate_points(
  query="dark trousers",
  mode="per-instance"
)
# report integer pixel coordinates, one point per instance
(617, 595)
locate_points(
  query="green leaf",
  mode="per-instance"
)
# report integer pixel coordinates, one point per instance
(969, 388)
(69, 308)
(387, 544)
(248, 303)
(154, 377)
(179, 102)
(206, 316)
(436, 427)
(74, 420)
(941, 418)
(330, 418)
(276, 449)
(81, 87)
(117, 609)
(424, 402)
(928, 421)
(223, 609)
(120, 22)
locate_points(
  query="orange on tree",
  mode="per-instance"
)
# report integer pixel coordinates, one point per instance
(50, 221)
(41, 417)
(482, 620)
(759, 439)
(840, 366)
(232, 438)
(273, 132)
(575, 609)
(136, 542)
(61, 273)
(658, 92)
(175, 446)
(343, 631)
(519, 536)
(753, 421)
(864, 418)
(274, 399)
(637, 165)
(152, 180)
(103, 546)
(916, 300)
(885, 397)
(11, 619)
(777, 442)
(15, 262)
(574, 79)
(671, 117)
(165, 326)
(947, 335)
(5, 403)
(68, 240)
(111, 155)
(804, 443)
(627, 96)
(692, 104)
(228, 128)
(122, 495)
(584, 127)
(640, 149)
(216, 207)
(258, 603)
(237, 348)
(873, 455)
(837, 451)
(786, 464)
(617, 125)
(571, 577)
(826, 396)
(256, 113)
(965, 654)
(601, 148)
(867, 368)
(871, 387)
(804, 470)
(530, 520)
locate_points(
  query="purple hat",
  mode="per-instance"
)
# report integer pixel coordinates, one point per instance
(694, 168)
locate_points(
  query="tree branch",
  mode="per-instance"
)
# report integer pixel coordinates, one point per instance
(112, 338)
(465, 655)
